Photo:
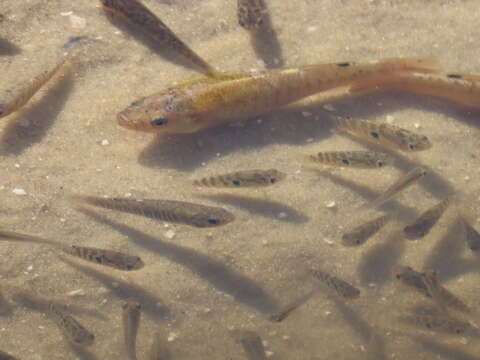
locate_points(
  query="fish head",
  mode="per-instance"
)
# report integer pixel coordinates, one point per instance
(212, 218)
(167, 112)
(409, 141)
(134, 263)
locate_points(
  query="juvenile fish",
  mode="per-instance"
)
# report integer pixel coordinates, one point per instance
(180, 212)
(104, 257)
(441, 295)
(247, 178)
(412, 278)
(204, 103)
(360, 234)
(405, 181)
(439, 321)
(252, 345)
(353, 159)
(250, 13)
(139, 15)
(472, 237)
(71, 328)
(131, 311)
(13, 99)
(384, 134)
(462, 89)
(424, 223)
(6, 356)
(341, 287)
(287, 310)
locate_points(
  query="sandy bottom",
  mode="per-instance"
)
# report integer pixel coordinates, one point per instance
(200, 284)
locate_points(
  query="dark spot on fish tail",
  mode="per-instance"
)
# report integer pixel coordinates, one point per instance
(236, 182)
(273, 180)
(98, 259)
(454, 76)
(346, 162)
(345, 64)
(411, 147)
(375, 134)
(380, 163)
(213, 221)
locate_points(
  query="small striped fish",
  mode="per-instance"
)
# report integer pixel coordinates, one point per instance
(360, 234)
(71, 328)
(472, 237)
(354, 159)
(131, 312)
(341, 287)
(247, 178)
(424, 223)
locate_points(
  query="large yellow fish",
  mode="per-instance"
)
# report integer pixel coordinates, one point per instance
(202, 103)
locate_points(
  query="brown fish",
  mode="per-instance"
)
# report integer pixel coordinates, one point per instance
(13, 99)
(252, 345)
(139, 15)
(424, 223)
(104, 257)
(341, 287)
(287, 310)
(472, 237)
(71, 328)
(246, 178)
(360, 234)
(131, 311)
(412, 278)
(250, 13)
(352, 159)
(180, 212)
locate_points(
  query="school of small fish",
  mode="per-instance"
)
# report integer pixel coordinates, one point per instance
(219, 98)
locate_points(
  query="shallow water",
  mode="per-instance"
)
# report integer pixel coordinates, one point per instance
(203, 283)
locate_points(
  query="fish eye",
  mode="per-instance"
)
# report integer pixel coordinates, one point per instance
(411, 146)
(236, 182)
(213, 221)
(380, 163)
(346, 162)
(357, 241)
(160, 121)
(375, 134)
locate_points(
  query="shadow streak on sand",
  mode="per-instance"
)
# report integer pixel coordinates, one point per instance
(265, 42)
(444, 351)
(262, 207)
(141, 36)
(183, 152)
(378, 263)
(224, 279)
(32, 124)
(82, 353)
(446, 255)
(151, 303)
(8, 49)
(402, 212)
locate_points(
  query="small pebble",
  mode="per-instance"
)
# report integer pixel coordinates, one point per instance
(416, 126)
(172, 336)
(66, 13)
(328, 241)
(286, 337)
(30, 268)
(311, 29)
(105, 142)
(330, 204)
(17, 165)
(78, 292)
(19, 191)
(390, 119)
(269, 353)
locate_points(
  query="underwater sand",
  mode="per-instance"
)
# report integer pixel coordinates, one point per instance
(203, 283)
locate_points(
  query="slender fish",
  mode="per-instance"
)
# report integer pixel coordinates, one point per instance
(247, 178)
(405, 181)
(412, 278)
(200, 104)
(287, 310)
(424, 223)
(441, 295)
(341, 287)
(360, 234)
(472, 237)
(252, 345)
(139, 15)
(71, 328)
(180, 212)
(250, 13)
(384, 134)
(13, 99)
(353, 159)
(104, 257)
(131, 311)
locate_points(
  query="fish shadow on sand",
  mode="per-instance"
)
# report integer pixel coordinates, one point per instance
(378, 263)
(183, 152)
(263, 207)
(31, 125)
(82, 353)
(8, 49)
(402, 212)
(220, 276)
(124, 290)
(446, 256)
(444, 351)
(139, 35)
(434, 183)
(265, 42)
